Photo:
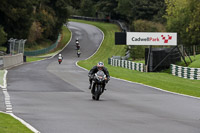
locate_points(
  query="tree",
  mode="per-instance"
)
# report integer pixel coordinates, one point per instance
(183, 18)
(60, 8)
(49, 15)
(194, 25)
(35, 32)
(3, 36)
(75, 3)
(35, 20)
(141, 9)
(16, 17)
(106, 7)
(87, 8)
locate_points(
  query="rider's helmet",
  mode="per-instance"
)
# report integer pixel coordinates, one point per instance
(76, 39)
(59, 55)
(100, 65)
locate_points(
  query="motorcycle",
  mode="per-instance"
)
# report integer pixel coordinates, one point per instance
(78, 53)
(60, 58)
(77, 45)
(59, 61)
(98, 84)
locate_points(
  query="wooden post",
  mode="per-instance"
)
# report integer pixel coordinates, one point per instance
(149, 56)
(194, 50)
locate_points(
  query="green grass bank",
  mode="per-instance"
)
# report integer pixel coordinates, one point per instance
(66, 35)
(161, 80)
(194, 64)
(10, 125)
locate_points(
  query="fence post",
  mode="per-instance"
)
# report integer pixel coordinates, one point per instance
(109, 61)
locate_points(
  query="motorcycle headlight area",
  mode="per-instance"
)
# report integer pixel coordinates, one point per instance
(100, 78)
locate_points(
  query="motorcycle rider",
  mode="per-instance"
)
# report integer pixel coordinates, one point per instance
(95, 69)
(77, 44)
(60, 57)
(77, 41)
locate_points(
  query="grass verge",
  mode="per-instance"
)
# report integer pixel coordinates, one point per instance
(32, 58)
(1, 76)
(66, 35)
(161, 80)
(194, 64)
(10, 125)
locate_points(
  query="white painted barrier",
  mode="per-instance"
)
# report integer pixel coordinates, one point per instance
(9, 61)
(126, 64)
(185, 72)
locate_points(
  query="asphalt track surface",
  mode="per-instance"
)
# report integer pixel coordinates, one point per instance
(55, 98)
(2, 103)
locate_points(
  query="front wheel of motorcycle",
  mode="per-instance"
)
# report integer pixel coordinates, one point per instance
(93, 97)
(97, 97)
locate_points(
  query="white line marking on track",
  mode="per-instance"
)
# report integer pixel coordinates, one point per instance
(7, 97)
(9, 105)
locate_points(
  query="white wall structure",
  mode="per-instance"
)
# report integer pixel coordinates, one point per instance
(9, 61)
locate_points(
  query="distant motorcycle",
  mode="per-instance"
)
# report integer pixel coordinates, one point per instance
(60, 58)
(78, 52)
(59, 61)
(98, 84)
(77, 45)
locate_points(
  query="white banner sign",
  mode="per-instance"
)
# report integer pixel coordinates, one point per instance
(151, 38)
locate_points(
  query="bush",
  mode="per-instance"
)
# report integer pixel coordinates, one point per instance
(137, 52)
(35, 32)
(147, 26)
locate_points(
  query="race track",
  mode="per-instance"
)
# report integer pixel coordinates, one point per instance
(55, 98)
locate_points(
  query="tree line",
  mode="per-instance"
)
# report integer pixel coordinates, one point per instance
(33, 20)
(181, 16)
(43, 19)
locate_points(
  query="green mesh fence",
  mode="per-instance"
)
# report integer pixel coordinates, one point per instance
(43, 51)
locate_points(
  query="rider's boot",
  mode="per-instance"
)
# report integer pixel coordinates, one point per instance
(104, 87)
(90, 86)
(90, 80)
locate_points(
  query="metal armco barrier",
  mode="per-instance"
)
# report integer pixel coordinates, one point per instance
(43, 51)
(185, 72)
(126, 64)
(120, 24)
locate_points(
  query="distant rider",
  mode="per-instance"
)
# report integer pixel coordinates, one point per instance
(77, 41)
(77, 44)
(95, 69)
(60, 57)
